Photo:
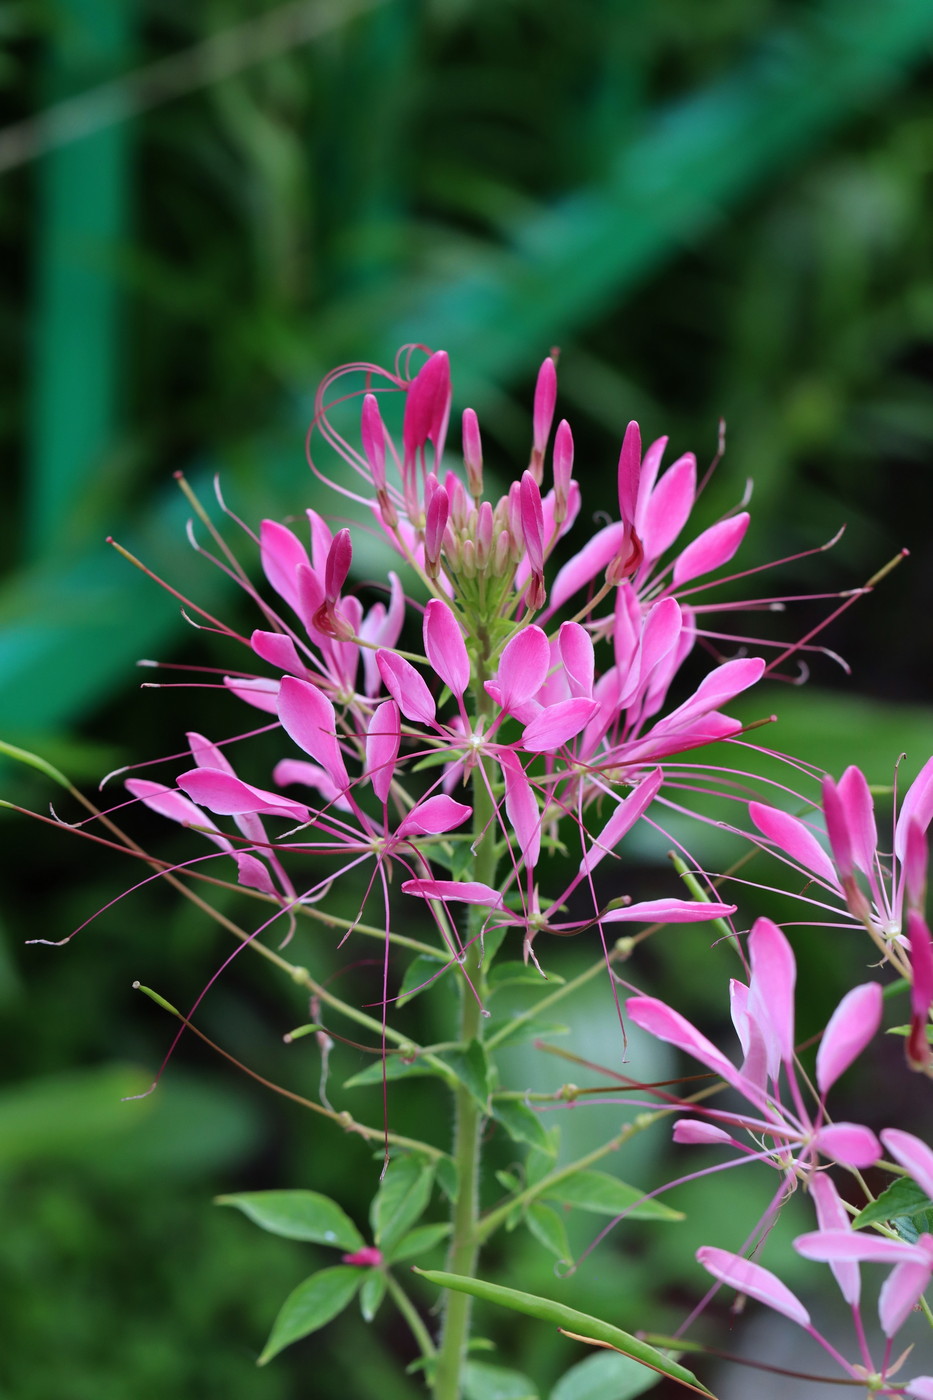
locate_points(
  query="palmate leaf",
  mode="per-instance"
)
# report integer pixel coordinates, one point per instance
(298, 1215)
(559, 1315)
(310, 1306)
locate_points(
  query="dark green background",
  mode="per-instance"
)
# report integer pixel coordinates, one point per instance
(713, 209)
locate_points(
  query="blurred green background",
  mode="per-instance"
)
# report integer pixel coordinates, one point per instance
(713, 209)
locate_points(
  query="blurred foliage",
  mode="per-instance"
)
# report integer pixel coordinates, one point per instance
(712, 209)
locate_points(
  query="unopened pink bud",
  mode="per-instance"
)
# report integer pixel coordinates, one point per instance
(473, 453)
(545, 401)
(563, 468)
(532, 522)
(434, 527)
(503, 553)
(367, 1258)
(374, 440)
(339, 557)
(629, 472)
(484, 534)
(428, 407)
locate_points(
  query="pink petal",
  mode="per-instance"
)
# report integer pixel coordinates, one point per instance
(795, 839)
(521, 808)
(668, 1025)
(754, 1281)
(279, 650)
(921, 1388)
(427, 407)
(915, 859)
(718, 688)
(460, 891)
(650, 466)
(544, 404)
(223, 793)
(532, 516)
(445, 647)
(669, 506)
(629, 472)
(383, 738)
(859, 808)
(406, 687)
(921, 991)
(711, 550)
(826, 1245)
(206, 754)
(576, 653)
(691, 1130)
(622, 820)
(848, 1143)
(433, 816)
(523, 666)
(298, 770)
(837, 829)
(917, 806)
(771, 991)
(913, 1155)
(281, 553)
(373, 436)
(667, 911)
(850, 1028)
(308, 717)
(557, 724)
(831, 1215)
(592, 559)
(252, 874)
(900, 1294)
(172, 804)
(262, 693)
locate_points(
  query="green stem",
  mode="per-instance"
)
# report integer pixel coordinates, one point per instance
(464, 1245)
(410, 1313)
(621, 950)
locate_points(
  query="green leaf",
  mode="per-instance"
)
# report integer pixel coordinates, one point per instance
(905, 1031)
(902, 1202)
(419, 1241)
(403, 1195)
(607, 1376)
(606, 1195)
(298, 1215)
(509, 973)
(311, 1305)
(418, 975)
(398, 1068)
(33, 760)
(547, 1227)
(559, 1315)
(520, 1122)
(447, 1176)
(372, 1293)
(472, 1069)
(482, 1382)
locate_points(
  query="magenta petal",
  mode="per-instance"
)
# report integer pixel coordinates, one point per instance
(383, 737)
(622, 820)
(668, 1025)
(771, 991)
(308, 717)
(445, 647)
(262, 693)
(848, 1143)
(831, 1214)
(433, 816)
(826, 1245)
(523, 666)
(591, 560)
(278, 650)
(859, 808)
(427, 408)
(521, 808)
(281, 554)
(629, 473)
(669, 506)
(172, 804)
(461, 891)
(557, 724)
(754, 1281)
(711, 550)
(223, 793)
(252, 874)
(667, 911)
(406, 687)
(691, 1130)
(837, 829)
(850, 1028)
(576, 652)
(795, 839)
(900, 1294)
(913, 1155)
(921, 1388)
(718, 688)
(917, 806)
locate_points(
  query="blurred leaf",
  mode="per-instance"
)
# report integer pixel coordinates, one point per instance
(395, 1067)
(508, 972)
(520, 1122)
(531, 1029)
(482, 1382)
(472, 1069)
(419, 1241)
(420, 974)
(71, 1114)
(311, 1305)
(902, 1203)
(547, 1227)
(298, 1215)
(372, 1294)
(606, 1195)
(402, 1196)
(606, 1376)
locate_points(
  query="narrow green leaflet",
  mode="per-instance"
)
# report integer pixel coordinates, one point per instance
(419, 1241)
(606, 1195)
(298, 1215)
(482, 1382)
(472, 1069)
(520, 1122)
(531, 1029)
(400, 1200)
(372, 1293)
(547, 1227)
(606, 1376)
(515, 972)
(397, 1068)
(905, 1205)
(311, 1305)
(559, 1315)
